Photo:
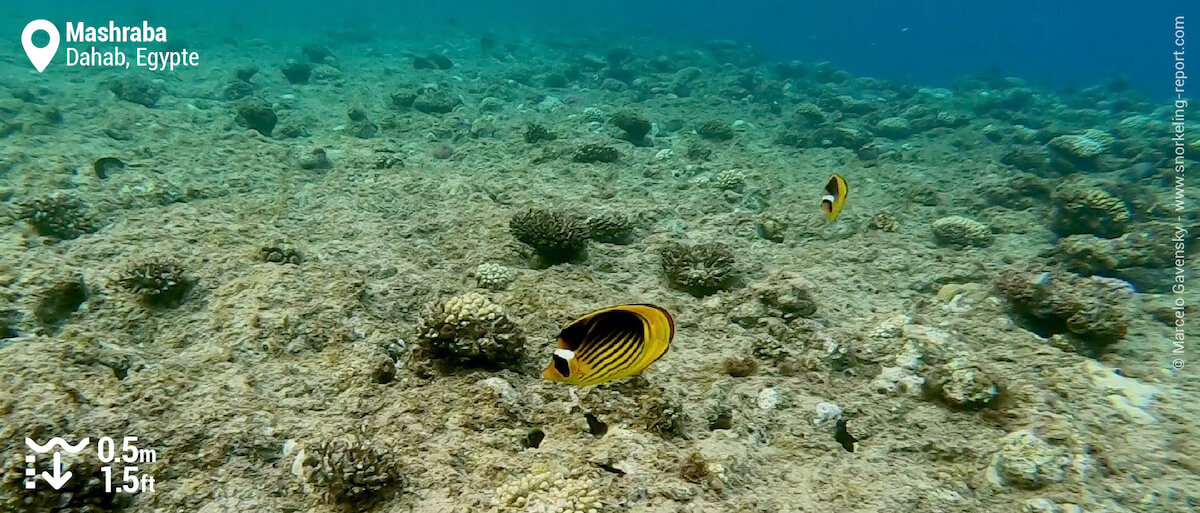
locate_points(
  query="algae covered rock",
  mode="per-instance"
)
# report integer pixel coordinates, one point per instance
(784, 295)
(257, 115)
(699, 269)
(280, 255)
(1139, 257)
(296, 72)
(961, 232)
(556, 236)
(469, 330)
(136, 90)
(1034, 159)
(635, 126)
(1027, 461)
(715, 131)
(1087, 254)
(591, 153)
(435, 101)
(893, 127)
(537, 132)
(963, 384)
(844, 136)
(238, 89)
(1092, 311)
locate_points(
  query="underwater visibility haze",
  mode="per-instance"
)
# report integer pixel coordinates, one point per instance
(603, 257)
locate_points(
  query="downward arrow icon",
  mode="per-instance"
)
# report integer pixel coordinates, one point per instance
(57, 480)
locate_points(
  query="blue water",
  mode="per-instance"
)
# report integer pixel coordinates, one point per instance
(1055, 44)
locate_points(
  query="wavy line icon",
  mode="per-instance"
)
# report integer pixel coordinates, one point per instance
(73, 449)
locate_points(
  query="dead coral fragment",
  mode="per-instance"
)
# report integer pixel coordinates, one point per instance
(350, 472)
(469, 330)
(556, 236)
(157, 283)
(699, 269)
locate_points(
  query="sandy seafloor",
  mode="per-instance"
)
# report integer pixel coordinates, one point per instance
(262, 361)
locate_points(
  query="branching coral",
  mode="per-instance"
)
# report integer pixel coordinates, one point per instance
(611, 227)
(158, 283)
(556, 236)
(546, 491)
(349, 471)
(470, 330)
(493, 276)
(58, 216)
(699, 269)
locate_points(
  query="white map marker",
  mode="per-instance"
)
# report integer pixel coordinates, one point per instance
(40, 57)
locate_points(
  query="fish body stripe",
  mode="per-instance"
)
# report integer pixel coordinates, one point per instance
(612, 353)
(591, 345)
(629, 349)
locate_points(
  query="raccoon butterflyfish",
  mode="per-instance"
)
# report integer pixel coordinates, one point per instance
(610, 343)
(835, 197)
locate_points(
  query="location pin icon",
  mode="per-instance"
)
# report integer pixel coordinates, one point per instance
(40, 57)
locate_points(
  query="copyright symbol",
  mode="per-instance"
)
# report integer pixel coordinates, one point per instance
(1177, 363)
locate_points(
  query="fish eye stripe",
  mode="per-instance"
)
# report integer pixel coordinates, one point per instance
(562, 366)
